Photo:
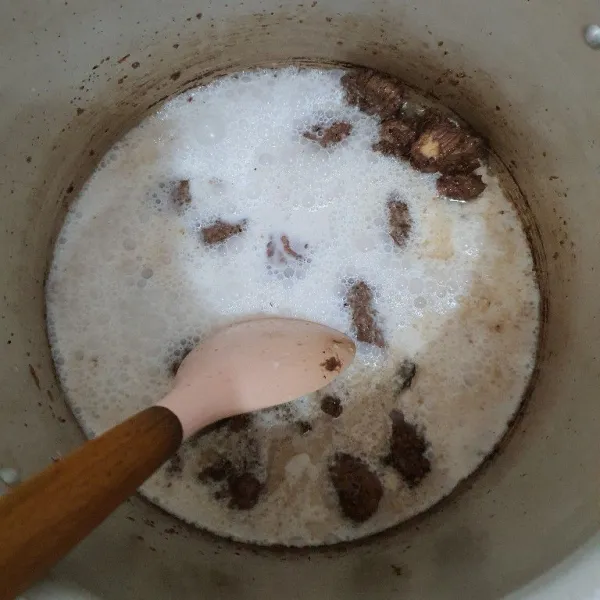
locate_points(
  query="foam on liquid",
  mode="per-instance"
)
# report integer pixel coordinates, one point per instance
(131, 283)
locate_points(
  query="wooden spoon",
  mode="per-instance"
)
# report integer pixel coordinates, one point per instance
(248, 366)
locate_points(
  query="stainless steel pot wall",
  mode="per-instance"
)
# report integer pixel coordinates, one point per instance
(75, 75)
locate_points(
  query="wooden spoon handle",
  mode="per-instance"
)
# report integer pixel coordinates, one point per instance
(43, 518)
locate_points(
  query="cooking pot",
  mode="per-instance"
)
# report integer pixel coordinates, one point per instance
(75, 75)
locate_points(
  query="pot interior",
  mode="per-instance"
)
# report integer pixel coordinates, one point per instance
(70, 90)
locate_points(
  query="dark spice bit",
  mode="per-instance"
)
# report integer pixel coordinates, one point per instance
(396, 137)
(358, 488)
(175, 465)
(399, 220)
(373, 92)
(333, 363)
(326, 136)
(219, 471)
(448, 148)
(364, 316)
(407, 450)
(332, 406)
(244, 491)
(220, 231)
(460, 187)
(404, 375)
(181, 196)
(304, 427)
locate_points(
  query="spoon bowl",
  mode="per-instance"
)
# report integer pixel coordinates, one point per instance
(255, 364)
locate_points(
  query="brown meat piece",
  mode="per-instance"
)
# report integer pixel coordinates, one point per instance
(396, 137)
(181, 196)
(404, 375)
(326, 136)
(332, 406)
(287, 248)
(219, 471)
(399, 220)
(358, 488)
(448, 148)
(278, 253)
(460, 187)
(364, 316)
(373, 92)
(244, 491)
(407, 450)
(233, 472)
(220, 231)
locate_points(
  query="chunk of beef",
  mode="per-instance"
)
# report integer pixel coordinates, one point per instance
(373, 92)
(287, 248)
(399, 220)
(233, 473)
(448, 148)
(332, 406)
(358, 489)
(364, 317)
(460, 187)
(326, 136)
(278, 251)
(404, 375)
(220, 231)
(181, 195)
(244, 491)
(396, 137)
(407, 450)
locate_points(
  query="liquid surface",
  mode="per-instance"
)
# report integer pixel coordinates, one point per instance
(132, 284)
